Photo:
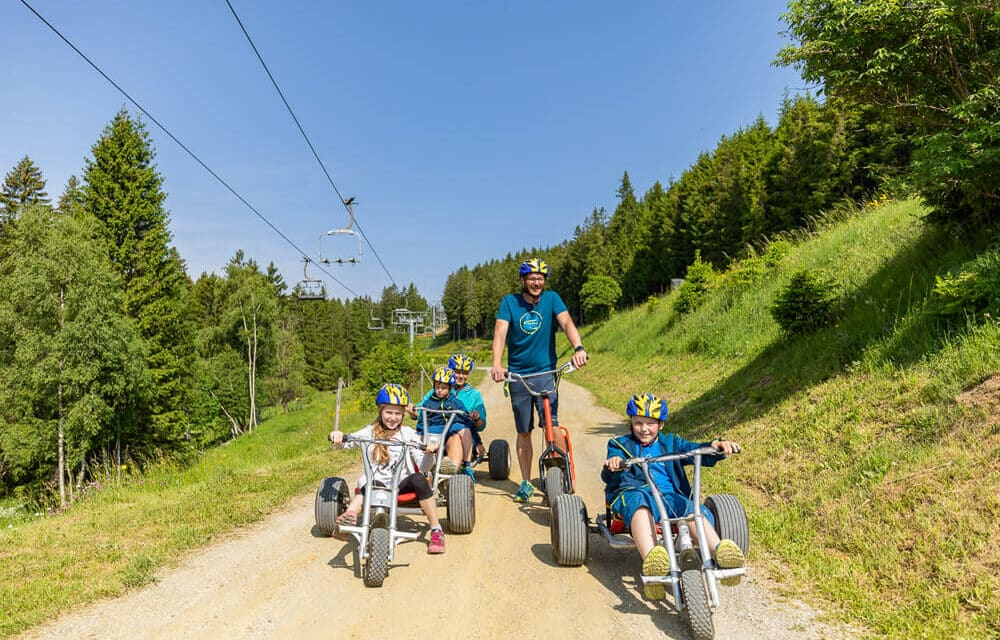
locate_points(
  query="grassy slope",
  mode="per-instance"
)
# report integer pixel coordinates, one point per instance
(118, 538)
(868, 484)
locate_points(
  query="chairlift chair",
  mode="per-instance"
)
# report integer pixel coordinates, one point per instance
(309, 288)
(346, 231)
(375, 323)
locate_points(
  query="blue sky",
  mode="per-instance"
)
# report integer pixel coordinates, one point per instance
(464, 130)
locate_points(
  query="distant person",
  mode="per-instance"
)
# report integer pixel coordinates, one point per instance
(629, 497)
(526, 325)
(458, 440)
(462, 365)
(392, 400)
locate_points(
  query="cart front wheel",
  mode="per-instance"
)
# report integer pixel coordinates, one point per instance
(699, 615)
(377, 566)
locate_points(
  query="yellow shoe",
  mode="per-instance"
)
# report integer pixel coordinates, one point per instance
(729, 556)
(656, 563)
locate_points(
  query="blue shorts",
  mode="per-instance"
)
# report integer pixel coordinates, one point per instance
(677, 505)
(521, 401)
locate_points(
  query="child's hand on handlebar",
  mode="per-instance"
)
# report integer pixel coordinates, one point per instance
(614, 464)
(727, 447)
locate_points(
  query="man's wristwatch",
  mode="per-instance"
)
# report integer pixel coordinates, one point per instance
(579, 348)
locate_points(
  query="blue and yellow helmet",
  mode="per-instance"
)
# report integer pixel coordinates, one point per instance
(648, 406)
(534, 265)
(393, 394)
(445, 375)
(460, 362)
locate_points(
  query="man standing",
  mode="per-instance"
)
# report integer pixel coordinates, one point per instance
(526, 324)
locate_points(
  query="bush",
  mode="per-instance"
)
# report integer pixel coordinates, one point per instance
(974, 289)
(806, 304)
(391, 362)
(698, 281)
(599, 294)
(775, 252)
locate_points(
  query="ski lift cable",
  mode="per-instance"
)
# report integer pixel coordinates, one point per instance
(308, 141)
(181, 144)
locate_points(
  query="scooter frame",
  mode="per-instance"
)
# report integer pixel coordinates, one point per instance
(551, 456)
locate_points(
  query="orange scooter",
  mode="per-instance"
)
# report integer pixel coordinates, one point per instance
(555, 466)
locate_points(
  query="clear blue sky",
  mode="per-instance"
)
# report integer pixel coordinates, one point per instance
(464, 129)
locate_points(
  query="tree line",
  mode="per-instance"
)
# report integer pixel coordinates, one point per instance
(911, 105)
(110, 352)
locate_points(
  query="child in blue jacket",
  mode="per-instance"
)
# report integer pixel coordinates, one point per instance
(458, 441)
(629, 497)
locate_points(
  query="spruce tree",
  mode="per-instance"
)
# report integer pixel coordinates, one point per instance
(123, 190)
(71, 200)
(22, 185)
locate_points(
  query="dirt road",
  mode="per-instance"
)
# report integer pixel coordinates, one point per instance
(279, 580)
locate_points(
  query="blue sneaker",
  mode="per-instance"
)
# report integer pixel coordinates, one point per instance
(467, 470)
(524, 492)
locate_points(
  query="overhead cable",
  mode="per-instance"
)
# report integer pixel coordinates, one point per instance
(308, 142)
(182, 145)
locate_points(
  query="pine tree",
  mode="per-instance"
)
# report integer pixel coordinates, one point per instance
(71, 200)
(123, 190)
(22, 185)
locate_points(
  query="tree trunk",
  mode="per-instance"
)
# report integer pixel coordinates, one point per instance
(59, 393)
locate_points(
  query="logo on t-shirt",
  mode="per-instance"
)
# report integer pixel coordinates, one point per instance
(531, 322)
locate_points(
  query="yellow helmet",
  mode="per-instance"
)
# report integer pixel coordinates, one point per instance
(648, 406)
(460, 362)
(393, 394)
(534, 265)
(445, 375)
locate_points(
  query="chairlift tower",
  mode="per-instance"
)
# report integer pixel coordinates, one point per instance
(410, 320)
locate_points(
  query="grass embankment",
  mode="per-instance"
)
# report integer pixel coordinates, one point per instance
(118, 538)
(870, 470)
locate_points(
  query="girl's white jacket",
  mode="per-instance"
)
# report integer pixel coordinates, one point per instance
(383, 472)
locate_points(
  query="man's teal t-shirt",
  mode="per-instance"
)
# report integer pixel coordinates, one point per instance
(531, 336)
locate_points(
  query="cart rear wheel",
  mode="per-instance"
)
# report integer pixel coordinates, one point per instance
(461, 504)
(331, 500)
(377, 565)
(499, 459)
(569, 530)
(699, 615)
(730, 519)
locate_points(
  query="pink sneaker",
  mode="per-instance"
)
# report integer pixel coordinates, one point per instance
(437, 542)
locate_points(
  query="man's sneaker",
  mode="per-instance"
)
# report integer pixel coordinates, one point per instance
(524, 492)
(729, 556)
(467, 470)
(437, 542)
(448, 467)
(656, 563)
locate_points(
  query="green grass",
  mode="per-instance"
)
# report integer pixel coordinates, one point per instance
(870, 487)
(118, 538)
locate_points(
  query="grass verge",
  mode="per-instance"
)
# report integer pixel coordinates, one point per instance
(119, 538)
